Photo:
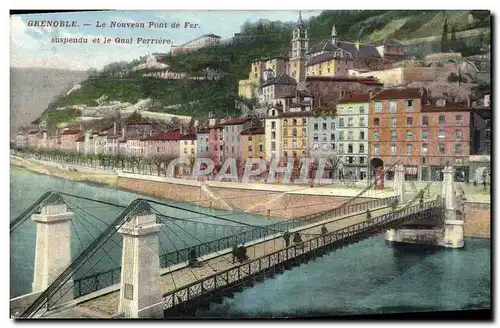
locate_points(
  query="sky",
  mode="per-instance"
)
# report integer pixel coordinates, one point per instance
(32, 47)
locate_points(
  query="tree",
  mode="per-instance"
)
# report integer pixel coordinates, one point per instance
(444, 37)
(332, 163)
(453, 40)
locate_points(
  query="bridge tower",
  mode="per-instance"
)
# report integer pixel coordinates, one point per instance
(399, 182)
(453, 235)
(140, 293)
(53, 244)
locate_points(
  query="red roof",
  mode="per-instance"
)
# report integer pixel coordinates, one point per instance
(33, 132)
(163, 136)
(37, 121)
(233, 121)
(191, 136)
(303, 113)
(107, 127)
(80, 139)
(449, 106)
(122, 141)
(399, 93)
(355, 97)
(70, 132)
(253, 130)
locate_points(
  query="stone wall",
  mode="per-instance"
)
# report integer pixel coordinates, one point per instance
(477, 221)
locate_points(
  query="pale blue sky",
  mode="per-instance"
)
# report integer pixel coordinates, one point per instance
(31, 46)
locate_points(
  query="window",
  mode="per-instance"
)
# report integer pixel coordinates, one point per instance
(393, 122)
(458, 120)
(325, 138)
(294, 143)
(350, 159)
(378, 106)
(285, 122)
(294, 132)
(361, 135)
(425, 135)
(350, 121)
(341, 135)
(341, 148)
(361, 110)
(332, 137)
(273, 146)
(393, 149)
(393, 106)
(441, 119)
(325, 146)
(409, 104)
(361, 121)
(332, 145)
(376, 136)
(261, 148)
(249, 138)
(250, 148)
(425, 148)
(376, 121)
(441, 134)
(285, 131)
(324, 126)
(315, 137)
(423, 160)
(361, 149)
(157, 149)
(393, 134)
(350, 148)
(332, 125)
(304, 121)
(458, 148)
(349, 110)
(441, 148)
(285, 142)
(273, 135)
(221, 147)
(341, 122)
(409, 149)
(349, 135)
(458, 134)
(304, 130)
(409, 136)
(294, 122)
(425, 120)
(376, 149)
(315, 126)
(192, 151)
(409, 121)
(285, 154)
(273, 125)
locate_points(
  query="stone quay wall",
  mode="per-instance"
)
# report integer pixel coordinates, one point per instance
(477, 219)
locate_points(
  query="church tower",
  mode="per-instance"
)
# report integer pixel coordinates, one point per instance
(334, 38)
(300, 45)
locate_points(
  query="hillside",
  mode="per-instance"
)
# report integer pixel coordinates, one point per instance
(258, 40)
(32, 89)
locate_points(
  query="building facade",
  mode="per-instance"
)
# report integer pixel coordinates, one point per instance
(253, 143)
(187, 145)
(202, 144)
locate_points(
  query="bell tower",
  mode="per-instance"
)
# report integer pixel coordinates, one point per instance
(300, 45)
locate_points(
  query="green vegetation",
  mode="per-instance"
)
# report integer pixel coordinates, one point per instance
(262, 39)
(56, 117)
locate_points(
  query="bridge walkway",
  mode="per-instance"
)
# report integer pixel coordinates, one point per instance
(180, 274)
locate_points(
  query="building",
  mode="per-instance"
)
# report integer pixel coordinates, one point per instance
(216, 143)
(344, 136)
(329, 89)
(68, 140)
(135, 147)
(161, 144)
(231, 136)
(202, 143)
(80, 144)
(424, 133)
(261, 72)
(253, 143)
(187, 145)
(281, 86)
(21, 140)
(274, 128)
(296, 123)
(480, 125)
(300, 44)
(32, 139)
(136, 129)
(205, 40)
(112, 144)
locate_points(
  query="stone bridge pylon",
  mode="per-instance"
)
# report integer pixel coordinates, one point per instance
(444, 229)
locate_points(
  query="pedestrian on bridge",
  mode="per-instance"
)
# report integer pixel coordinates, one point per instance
(286, 237)
(297, 239)
(235, 251)
(324, 231)
(193, 261)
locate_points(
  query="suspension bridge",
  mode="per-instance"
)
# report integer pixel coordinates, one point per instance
(98, 259)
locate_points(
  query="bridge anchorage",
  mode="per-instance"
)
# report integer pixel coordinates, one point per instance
(153, 284)
(446, 230)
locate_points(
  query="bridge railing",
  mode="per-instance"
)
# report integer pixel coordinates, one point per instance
(239, 273)
(99, 280)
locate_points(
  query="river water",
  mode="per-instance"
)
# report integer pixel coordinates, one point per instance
(367, 277)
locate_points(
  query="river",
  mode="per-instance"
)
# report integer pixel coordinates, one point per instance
(367, 277)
